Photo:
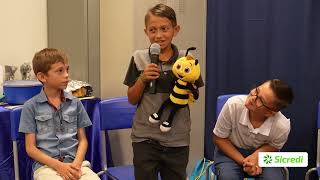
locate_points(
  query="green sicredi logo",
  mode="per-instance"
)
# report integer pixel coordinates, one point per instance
(267, 159)
(283, 159)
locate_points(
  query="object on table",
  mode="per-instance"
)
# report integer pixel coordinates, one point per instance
(25, 70)
(19, 91)
(1, 79)
(9, 72)
(2, 100)
(79, 88)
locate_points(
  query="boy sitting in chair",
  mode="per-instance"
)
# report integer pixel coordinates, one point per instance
(248, 125)
(53, 122)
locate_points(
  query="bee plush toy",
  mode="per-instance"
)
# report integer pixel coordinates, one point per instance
(187, 70)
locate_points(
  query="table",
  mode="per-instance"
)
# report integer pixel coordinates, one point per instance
(6, 153)
(9, 124)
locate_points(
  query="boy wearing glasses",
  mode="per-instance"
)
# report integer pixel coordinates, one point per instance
(248, 124)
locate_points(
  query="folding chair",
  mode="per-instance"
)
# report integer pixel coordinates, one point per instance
(221, 100)
(115, 113)
(317, 168)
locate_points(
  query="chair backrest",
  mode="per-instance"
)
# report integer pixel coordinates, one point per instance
(221, 100)
(116, 113)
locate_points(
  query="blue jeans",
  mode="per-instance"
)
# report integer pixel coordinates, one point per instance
(227, 169)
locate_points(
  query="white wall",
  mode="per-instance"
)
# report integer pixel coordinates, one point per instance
(23, 30)
(122, 24)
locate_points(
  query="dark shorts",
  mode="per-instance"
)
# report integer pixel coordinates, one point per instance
(150, 158)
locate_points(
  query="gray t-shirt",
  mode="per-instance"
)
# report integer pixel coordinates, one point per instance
(142, 129)
(233, 123)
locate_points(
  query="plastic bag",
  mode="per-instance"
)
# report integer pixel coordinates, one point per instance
(79, 88)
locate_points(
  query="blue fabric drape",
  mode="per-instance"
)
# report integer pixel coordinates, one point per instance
(6, 155)
(249, 41)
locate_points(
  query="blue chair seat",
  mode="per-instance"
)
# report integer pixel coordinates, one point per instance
(121, 172)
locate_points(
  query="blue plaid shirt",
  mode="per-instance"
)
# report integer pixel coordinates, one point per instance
(55, 128)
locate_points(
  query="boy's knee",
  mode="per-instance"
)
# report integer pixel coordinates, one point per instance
(228, 174)
(272, 174)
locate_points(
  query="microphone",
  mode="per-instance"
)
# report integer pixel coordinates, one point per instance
(154, 55)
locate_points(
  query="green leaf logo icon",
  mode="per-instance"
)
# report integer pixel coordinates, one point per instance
(267, 159)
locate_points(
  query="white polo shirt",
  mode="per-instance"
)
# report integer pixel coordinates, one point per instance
(233, 123)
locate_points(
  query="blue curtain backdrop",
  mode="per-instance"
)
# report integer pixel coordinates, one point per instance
(249, 41)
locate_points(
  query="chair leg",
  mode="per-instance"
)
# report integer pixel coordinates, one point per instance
(286, 173)
(101, 172)
(309, 172)
(15, 160)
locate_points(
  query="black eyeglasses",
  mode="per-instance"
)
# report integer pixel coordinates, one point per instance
(258, 98)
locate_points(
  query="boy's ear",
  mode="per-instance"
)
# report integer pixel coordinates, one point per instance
(145, 31)
(41, 76)
(176, 30)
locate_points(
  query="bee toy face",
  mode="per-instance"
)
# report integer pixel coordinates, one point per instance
(186, 69)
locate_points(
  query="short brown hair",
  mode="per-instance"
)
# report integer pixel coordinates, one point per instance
(283, 93)
(162, 10)
(43, 59)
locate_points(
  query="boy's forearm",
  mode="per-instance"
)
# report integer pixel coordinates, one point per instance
(82, 147)
(266, 148)
(41, 157)
(38, 155)
(229, 149)
(254, 157)
(134, 92)
(81, 152)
